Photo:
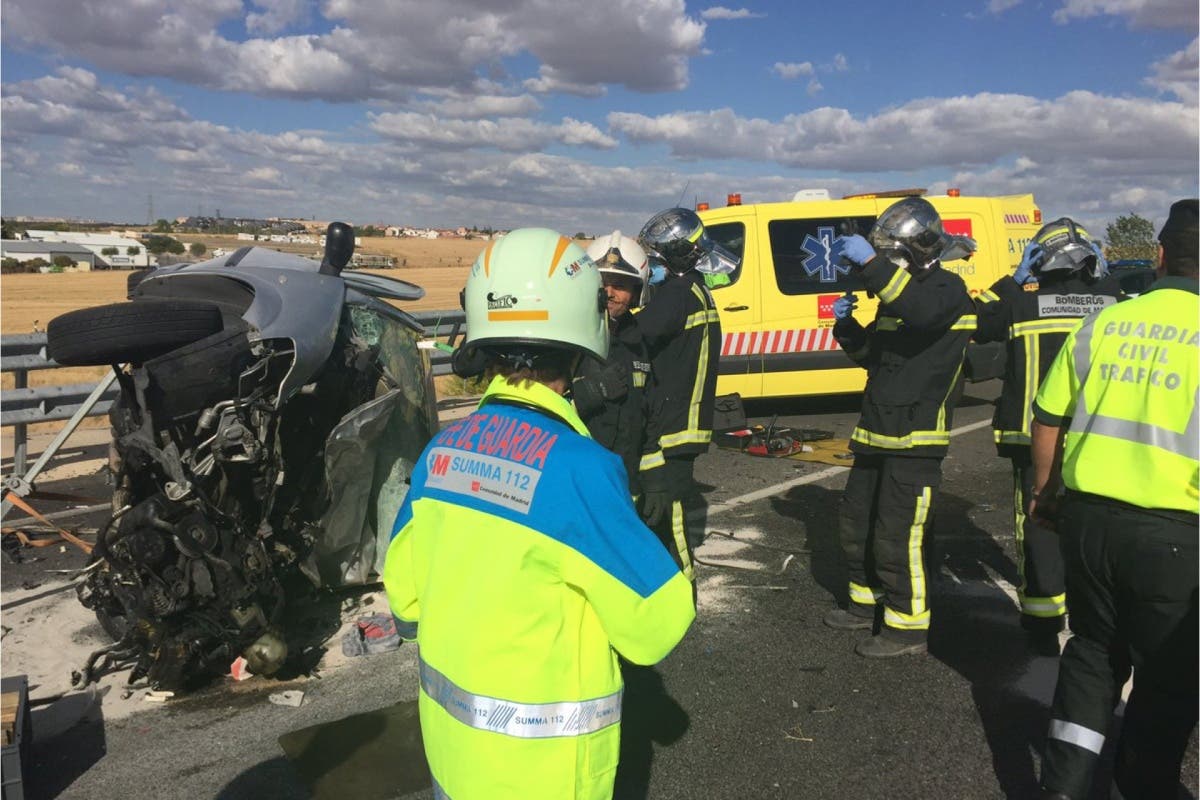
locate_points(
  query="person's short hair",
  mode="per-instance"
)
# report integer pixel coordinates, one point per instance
(521, 365)
(1180, 239)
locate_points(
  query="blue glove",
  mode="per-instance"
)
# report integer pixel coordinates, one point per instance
(1032, 256)
(855, 249)
(844, 306)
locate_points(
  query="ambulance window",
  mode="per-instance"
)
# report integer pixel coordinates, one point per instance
(731, 236)
(807, 259)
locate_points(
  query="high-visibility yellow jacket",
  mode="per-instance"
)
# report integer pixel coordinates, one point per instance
(519, 551)
(1125, 385)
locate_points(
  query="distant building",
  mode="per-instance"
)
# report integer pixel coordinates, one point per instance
(27, 250)
(129, 253)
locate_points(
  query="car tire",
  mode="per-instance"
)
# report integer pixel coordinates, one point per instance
(128, 332)
(197, 375)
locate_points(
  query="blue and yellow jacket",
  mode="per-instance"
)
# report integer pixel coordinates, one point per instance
(519, 551)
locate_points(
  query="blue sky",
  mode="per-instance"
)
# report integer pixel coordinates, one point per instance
(588, 115)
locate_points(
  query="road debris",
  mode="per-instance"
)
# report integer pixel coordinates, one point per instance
(795, 734)
(292, 698)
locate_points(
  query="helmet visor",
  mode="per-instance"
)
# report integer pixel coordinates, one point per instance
(720, 261)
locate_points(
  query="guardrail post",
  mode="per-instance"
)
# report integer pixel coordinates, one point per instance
(20, 437)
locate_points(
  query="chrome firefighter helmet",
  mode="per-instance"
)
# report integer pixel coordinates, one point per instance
(535, 289)
(909, 233)
(617, 254)
(676, 239)
(1067, 248)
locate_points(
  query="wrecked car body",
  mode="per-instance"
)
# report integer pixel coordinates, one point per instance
(270, 413)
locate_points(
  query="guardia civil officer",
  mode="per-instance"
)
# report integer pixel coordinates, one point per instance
(913, 353)
(1062, 278)
(519, 550)
(1116, 423)
(610, 397)
(683, 335)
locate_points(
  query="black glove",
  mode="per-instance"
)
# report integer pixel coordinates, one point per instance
(664, 485)
(609, 383)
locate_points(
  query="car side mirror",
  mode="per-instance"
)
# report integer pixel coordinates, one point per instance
(339, 246)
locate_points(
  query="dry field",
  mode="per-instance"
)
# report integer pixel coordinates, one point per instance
(439, 266)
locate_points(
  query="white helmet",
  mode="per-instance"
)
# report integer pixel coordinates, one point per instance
(616, 254)
(535, 287)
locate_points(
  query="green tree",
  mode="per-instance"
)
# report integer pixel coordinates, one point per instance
(162, 226)
(164, 244)
(1131, 236)
(7, 230)
(197, 249)
(62, 262)
(133, 250)
(109, 251)
(581, 235)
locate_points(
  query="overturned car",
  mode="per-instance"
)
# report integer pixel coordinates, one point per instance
(270, 412)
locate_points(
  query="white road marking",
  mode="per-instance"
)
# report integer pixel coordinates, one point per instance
(813, 477)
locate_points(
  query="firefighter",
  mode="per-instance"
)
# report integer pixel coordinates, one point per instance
(1115, 425)
(1072, 281)
(683, 335)
(519, 549)
(913, 353)
(610, 396)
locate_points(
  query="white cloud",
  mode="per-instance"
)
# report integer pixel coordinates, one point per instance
(549, 81)
(947, 132)
(1179, 74)
(1082, 154)
(721, 12)
(407, 128)
(264, 175)
(792, 70)
(814, 87)
(1000, 6)
(485, 105)
(276, 15)
(1141, 13)
(376, 49)
(839, 63)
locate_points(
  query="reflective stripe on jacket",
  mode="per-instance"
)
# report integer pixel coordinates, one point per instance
(1033, 325)
(913, 353)
(1125, 386)
(518, 549)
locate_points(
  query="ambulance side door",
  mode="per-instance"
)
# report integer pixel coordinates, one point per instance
(740, 306)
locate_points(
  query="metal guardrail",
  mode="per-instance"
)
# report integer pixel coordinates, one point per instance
(23, 405)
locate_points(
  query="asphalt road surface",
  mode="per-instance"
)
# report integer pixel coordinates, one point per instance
(760, 700)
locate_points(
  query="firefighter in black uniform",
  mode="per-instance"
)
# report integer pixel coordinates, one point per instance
(913, 353)
(1072, 281)
(683, 336)
(610, 397)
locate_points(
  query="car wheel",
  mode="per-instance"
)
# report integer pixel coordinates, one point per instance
(128, 332)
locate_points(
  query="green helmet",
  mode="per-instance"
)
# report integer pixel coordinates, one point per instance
(535, 287)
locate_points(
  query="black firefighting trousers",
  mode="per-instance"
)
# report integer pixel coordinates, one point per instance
(1131, 585)
(887, 509)
(1042, 594)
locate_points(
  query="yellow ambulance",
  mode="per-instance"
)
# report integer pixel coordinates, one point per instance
(777, 310)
